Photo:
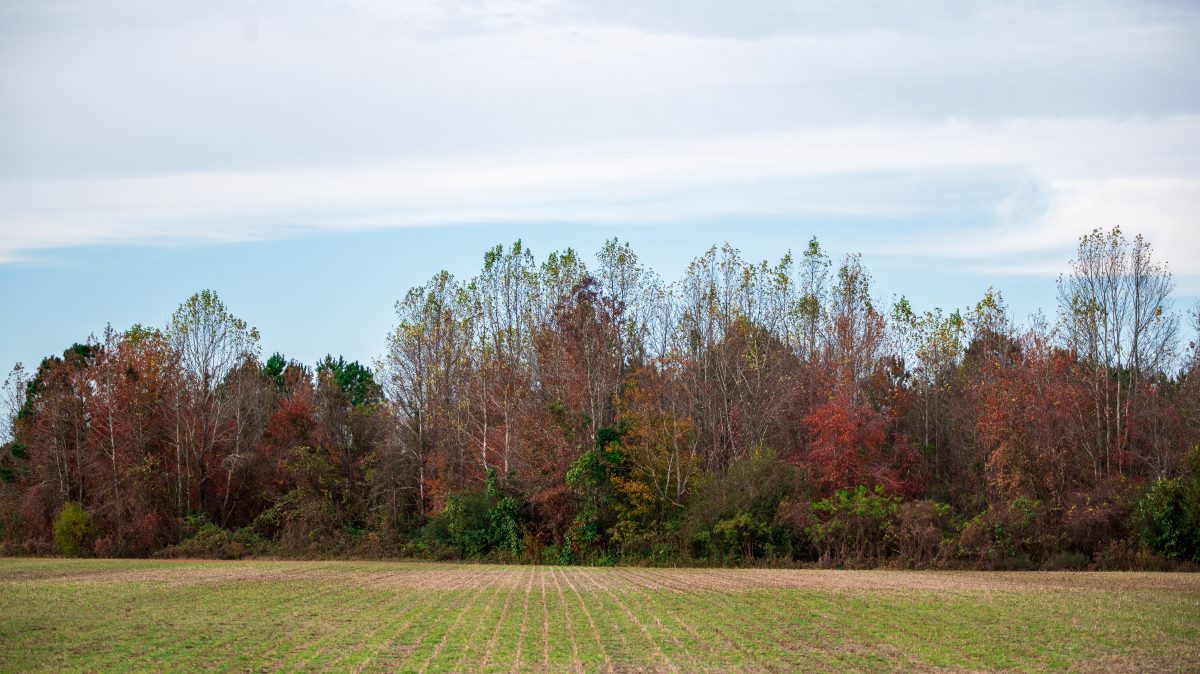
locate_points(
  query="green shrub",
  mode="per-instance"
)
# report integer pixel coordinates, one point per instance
(480, 522)
(740, 509)
(203, 539)
(853, 525)
(596, 476)
(74, 530)
(1167, 517)
(739, 534)
(1014, 535)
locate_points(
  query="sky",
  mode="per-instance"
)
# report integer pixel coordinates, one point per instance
(311, 160)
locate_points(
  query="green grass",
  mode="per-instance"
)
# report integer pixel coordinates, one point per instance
(104, 615)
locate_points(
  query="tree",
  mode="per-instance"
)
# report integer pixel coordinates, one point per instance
(354, 380)
(631, 286)
(855, 445)
(660, 437)
(1115, 312)
(854, 330)
(15, 386)
(752, 408)
(814, 281)
(54, 420)
(210, 342)
(504, 298)
(424, 371)
(582, 365)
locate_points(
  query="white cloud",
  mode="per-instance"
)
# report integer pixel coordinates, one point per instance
(134, 120)
(1074, 166)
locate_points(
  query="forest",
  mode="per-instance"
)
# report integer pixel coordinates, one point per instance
(543, 411)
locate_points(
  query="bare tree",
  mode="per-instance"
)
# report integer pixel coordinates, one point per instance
(1115, 312)
(209, 342)
(15, 385)
(854, 330)
(423, 369)
(814, 290)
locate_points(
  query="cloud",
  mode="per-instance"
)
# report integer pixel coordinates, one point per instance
(1066, 175)
(133, 120)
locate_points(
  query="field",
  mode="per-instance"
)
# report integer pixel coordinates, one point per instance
(105, 615)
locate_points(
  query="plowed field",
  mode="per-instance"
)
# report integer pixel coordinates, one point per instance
(104, 615)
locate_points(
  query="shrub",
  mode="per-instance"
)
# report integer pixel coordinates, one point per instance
(597, 476)
(853, 525)
(1092, 520)
(317, 515)
(1010, 535)
(922, 532)
(1167, 518)
(480, 522)
(206, 540)
(74, 530)
(1066, 561)
(747, 507)
(738, 535)
(1130, 556)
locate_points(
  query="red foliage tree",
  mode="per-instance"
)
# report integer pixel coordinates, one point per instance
(853, 444)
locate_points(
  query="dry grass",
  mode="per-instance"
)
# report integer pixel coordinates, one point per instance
(58, 615)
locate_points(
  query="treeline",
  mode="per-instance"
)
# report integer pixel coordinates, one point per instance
(543, 411)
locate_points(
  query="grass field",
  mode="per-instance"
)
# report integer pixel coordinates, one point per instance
(105, 615)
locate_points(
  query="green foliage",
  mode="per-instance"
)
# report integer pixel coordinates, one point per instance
(354, 379)
(138, 333)
(594, 470)
(273, 369)
(738, 535)
(480, 522)
(854, 524)
(210, 340)
(279, 370)
(203, 539)
(646, 525)
(74, 530)
(597, 474)
(15, 450)
(736, 514)
(1167, 517)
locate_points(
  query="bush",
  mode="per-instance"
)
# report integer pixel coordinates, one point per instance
(853, 525)
(1130, 556)
(478, 523)
(1066, 561)
(1092, 520)
(1167, 518)
(745, 512)
(1012, 535)
(922, 533)
(598, 476)
(206, 540)
(74, 530)
(738, 535)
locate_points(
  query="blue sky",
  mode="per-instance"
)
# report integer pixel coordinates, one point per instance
(311, 160)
